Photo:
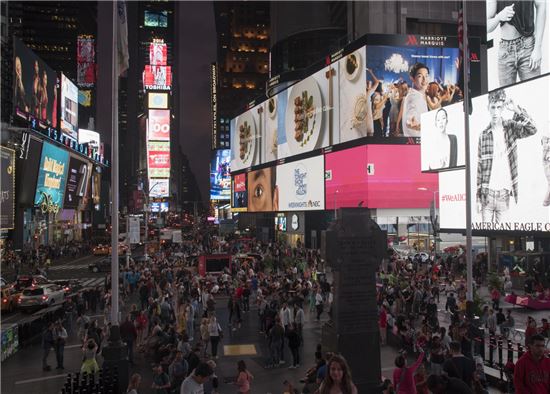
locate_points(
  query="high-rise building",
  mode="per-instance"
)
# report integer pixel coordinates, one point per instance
(243, 33)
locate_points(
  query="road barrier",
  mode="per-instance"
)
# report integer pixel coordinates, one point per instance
(104, 382)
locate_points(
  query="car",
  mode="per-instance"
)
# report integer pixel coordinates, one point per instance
(24, 281)
(104, 265)
(10, 296)
(105, 250)
(69, 285)
(35, 297)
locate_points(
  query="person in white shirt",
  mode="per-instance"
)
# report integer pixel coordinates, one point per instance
(415, 103)
(193, 384)
(319, 303)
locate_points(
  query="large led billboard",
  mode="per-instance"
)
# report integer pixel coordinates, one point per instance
(159, 125)
(300, 185)
(50, 187)
(510, 157)
(158, 159)
(220, 177)
(246, 132)
(518, 41)
(77, 182)
(159, 188)
(157, 100)
(91, 138)
(452, 200)
(239, 194)
(442, 139)
(85, 61)
(7, 184)
(372, 176)
(69, 108)
(34, 86)
(155, 18)
(158, 53)
(157, 77)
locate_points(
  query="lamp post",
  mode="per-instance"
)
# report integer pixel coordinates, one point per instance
(147, 208)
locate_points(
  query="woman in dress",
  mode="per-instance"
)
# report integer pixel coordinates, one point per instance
(338, 378)
(443, 146)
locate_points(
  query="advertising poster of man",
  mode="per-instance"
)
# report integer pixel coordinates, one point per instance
(510, 158)
(519, 32)
(443, 138)
(35, 90)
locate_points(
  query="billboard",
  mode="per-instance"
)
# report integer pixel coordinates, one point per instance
(158, 159)
(162, 206)
(220, 177)
(77, 182)
(239, 194)
(452, 200)
(7, 192)
(371, 176)
(442, 139)
(159, 188)
(69, 107)
(34, 86)
(28, 164)
(510, 158)
(52, 177)
(159, 125)
(518, 41)
(155, 18)
(89, 137)
(157, 100)
(85, 61)
(158, 53)
(246, 132)
(96, 187)
(157, 77)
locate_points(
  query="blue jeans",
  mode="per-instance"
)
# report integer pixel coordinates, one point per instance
(513, 59)
(493, 204)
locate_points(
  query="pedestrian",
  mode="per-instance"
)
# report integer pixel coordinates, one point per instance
(492, 323)
(193, 384)
(319, 303)
(215, 333)
(338, 378)
(161, 380)
(532, 370)
(178, 370)
(89, 363)
(244, 378)
(383, 325)
(60, 337)
(294, 345)
(205, 336)
(128, 334)
(47, 343)
(459, 366)
(403, 376)
(442, 384)
(275, 339)
(134, 383)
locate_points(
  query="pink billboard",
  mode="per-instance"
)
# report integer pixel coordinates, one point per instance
(379, 176)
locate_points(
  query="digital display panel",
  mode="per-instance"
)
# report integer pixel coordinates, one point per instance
(158, 159)
(91, 138)
(155, 18)
(157, 100)
(239, 195)
(85, 60)
(35, 91)
(157, 77)
(158, 54)
(77, 182)
(159, 125)
(7, 184)
(69, 107)
(159, 188)
(52, 176)
(220, 176)
(161, 206)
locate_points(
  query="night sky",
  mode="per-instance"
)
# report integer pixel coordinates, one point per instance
(199, 46)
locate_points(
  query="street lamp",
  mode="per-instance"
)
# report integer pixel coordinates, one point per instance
(147, 207)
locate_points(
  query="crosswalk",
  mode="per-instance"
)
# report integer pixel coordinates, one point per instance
(69, 267)
(91, 282)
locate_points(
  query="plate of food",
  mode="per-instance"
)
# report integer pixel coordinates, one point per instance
(272, 107)
(246, 138)
(352, 65)
(304, 116)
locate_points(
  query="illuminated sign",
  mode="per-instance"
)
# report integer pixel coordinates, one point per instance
(69, 107)
(158, 159)
(157, 100)
(220, 177)
(158, 53)
(159, 125)
(214, 103)
(85, 60)
(7, 184)
(157, 77)
(50, 189)
(159, 188)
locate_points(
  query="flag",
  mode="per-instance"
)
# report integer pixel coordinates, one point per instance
(122, 38)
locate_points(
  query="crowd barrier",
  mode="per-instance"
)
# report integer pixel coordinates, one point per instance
(106, 381)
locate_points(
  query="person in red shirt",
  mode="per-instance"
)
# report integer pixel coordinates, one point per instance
(495, 297)
(532, 371)
(403, 376)
(383, 324)
(530, 330)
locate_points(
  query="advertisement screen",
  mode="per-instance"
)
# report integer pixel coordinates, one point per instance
(442, 139)
(239, 195)
(159, 125)
(28, 164)
(69, 107)
(452, 200)
(296, 186)
(77, 182)
(159, 206)
(7, 183)
(157, 77)
(157, 100)
(518, 41)
(52, 176)
(158, 159)
(155, 18)
(89, 137)
(346, 178)
(85, 60)
(34, 86)
(246, 131)
(158, 54)
(96, 186)
(398, 183)
(159, 188)
(510, 158)
(220, 176)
